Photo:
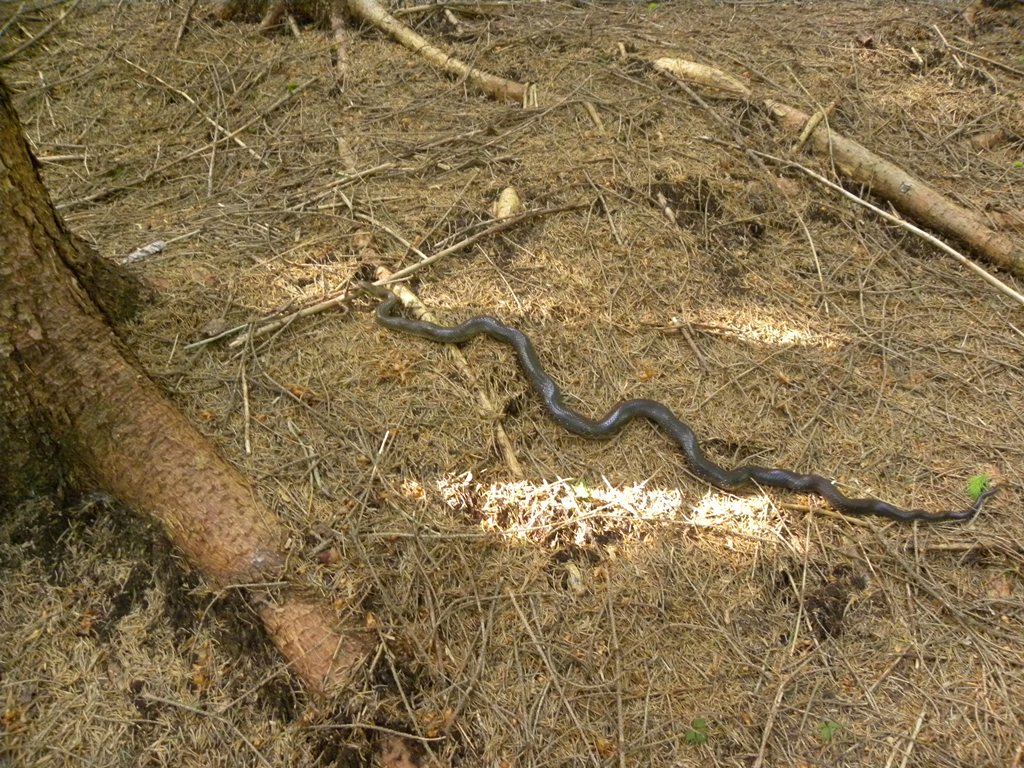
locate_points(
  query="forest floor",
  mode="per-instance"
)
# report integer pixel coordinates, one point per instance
(603, 606)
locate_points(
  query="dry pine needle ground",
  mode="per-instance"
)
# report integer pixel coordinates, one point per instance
(607, 608)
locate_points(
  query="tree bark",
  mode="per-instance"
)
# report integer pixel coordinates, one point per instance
(63, 368)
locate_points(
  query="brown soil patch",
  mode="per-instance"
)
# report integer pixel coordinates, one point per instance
(607, 609)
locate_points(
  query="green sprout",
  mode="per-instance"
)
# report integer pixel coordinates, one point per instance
(697, 733)
(827, 730)
(977, 485)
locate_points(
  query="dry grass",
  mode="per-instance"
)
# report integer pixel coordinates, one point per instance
(543, 621)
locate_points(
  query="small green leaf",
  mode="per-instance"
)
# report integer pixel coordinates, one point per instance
(697, 733)
(1018, 164)
(652, 5)
(828, 729)
(292, 86)
(977, 485)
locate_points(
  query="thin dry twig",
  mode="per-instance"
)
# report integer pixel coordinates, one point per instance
(911, 741)
(266, 326)
(217, 126)
(243, 375)
(213, 716)
(104, 193)
(978, 56)
(769, 724)
(984, 274)
(186, 19)
(616, 651)
(13, 54)
(493, 229)
(813, 123)
(555, 678)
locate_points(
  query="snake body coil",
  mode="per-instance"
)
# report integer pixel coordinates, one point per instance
(624, 412)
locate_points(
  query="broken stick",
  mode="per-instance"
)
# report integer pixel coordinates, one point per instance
(496, 87)
(907, 193)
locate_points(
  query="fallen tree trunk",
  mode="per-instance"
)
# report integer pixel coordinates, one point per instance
(374, 14)
(907, 193)
(63, 368)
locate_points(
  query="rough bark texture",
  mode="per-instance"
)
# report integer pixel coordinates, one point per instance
(323, 659)
(109, 419)
(29, 460)
(62, 367)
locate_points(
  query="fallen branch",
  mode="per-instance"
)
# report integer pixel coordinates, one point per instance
(496, 87)
(980, 271)
(272, 323)
(374, 14)
(907, 193)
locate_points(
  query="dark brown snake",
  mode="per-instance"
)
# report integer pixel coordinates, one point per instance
(624, 412)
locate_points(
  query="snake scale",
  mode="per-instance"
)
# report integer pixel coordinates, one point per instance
(661, 415)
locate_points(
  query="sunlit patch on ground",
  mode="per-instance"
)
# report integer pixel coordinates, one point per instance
(565, 514)
(760, 325)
